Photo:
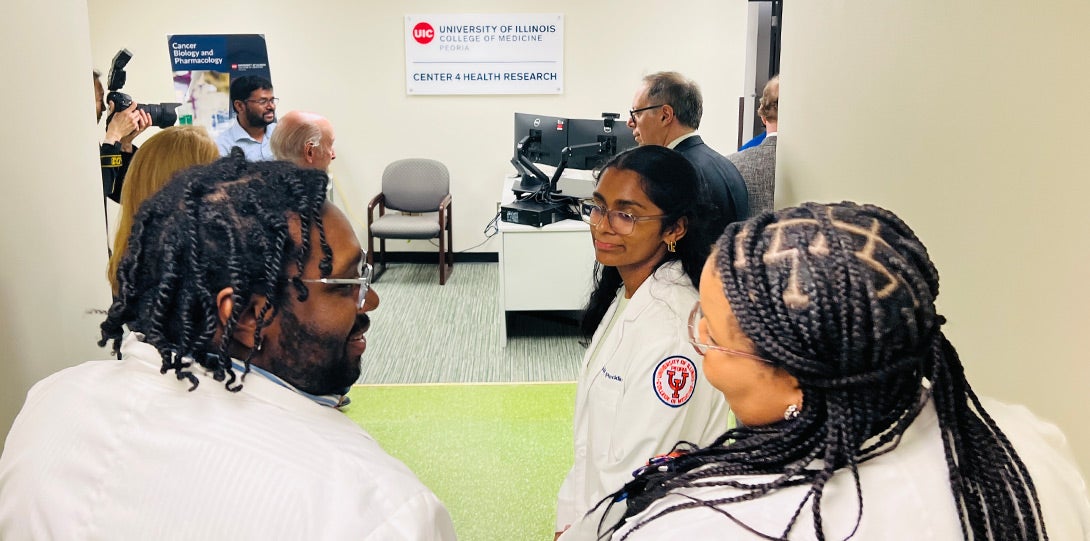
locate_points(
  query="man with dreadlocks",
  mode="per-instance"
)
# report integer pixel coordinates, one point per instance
(251, 290)
(818, 324)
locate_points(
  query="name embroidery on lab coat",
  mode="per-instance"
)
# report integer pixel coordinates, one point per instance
(613, 377)
(674, 380)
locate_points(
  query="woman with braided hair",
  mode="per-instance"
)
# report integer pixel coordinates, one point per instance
(818, 324)
(640, 389)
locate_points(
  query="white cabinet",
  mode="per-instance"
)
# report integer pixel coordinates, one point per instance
(544, 268)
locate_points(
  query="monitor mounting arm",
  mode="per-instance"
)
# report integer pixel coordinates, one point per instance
(587, 149)
(524, 165)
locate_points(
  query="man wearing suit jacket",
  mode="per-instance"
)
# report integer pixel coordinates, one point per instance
(758, 164)
(666, 111)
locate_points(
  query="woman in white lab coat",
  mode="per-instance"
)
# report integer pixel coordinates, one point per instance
(819, 325)
(641, 388)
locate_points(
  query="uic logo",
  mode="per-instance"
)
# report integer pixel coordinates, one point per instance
(423, 33)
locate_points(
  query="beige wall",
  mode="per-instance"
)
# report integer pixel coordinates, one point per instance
(970, 120)
(53, 239)
(345, 59)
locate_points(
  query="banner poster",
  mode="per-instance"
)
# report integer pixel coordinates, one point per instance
(465, 53)
(204, 66)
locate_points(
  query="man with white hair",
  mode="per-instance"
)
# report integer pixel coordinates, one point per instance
(305, 139)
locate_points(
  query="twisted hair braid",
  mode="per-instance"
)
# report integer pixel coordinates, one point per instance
(227, 224)
(842, 297)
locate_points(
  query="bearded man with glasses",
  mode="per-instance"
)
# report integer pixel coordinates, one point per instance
(254, 106)
(245, 297)
(666, 111)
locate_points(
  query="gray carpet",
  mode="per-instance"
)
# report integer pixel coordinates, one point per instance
(423, 332)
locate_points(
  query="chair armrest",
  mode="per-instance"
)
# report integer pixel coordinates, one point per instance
(444, 209)
(380, 201)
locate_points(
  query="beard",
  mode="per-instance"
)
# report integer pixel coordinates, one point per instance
(311, 360)
(257, 120)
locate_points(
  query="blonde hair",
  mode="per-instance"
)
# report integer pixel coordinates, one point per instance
(159, 158)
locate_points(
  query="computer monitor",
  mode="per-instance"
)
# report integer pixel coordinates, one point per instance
(539, 139)
(615, 133)
(549, 136)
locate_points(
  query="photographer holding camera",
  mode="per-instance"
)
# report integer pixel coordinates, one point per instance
(117, 149)
(125, 121)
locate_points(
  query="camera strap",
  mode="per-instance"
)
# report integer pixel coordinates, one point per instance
(106, 220)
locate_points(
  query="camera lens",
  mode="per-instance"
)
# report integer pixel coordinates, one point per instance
(162, 115)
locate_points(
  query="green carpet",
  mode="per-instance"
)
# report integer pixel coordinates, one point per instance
(495, 454)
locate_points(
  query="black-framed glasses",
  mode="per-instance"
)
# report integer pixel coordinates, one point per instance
(632, 112)
(694, 333)
(262, 102)
(622, 222)
(364, 281)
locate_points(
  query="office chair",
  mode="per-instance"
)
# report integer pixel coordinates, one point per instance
(412, 186)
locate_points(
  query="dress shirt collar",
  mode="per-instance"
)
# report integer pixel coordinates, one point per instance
(676, 142)
(328, 400)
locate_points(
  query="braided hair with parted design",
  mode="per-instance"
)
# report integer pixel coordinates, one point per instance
(227, 224)
(842, 297)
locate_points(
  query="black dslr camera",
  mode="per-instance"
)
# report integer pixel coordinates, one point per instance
(162, 114)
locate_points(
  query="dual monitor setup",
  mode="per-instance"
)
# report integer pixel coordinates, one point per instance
(561, 143)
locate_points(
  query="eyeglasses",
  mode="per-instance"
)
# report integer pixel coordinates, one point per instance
(632, 112)
(364, 281)
(694, 332)
(263, 101)
(622, 222)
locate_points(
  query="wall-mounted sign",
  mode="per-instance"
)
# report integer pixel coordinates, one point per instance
(520, 53)
(204, 66)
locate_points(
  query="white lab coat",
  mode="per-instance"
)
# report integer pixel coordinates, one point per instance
(115, 450)
(620, 419)
(906, 493)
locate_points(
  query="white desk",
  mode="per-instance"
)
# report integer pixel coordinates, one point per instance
(543, 268)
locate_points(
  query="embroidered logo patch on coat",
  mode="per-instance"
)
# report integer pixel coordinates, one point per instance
(674, 380)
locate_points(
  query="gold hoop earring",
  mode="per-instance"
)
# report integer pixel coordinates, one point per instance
(671, 246)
